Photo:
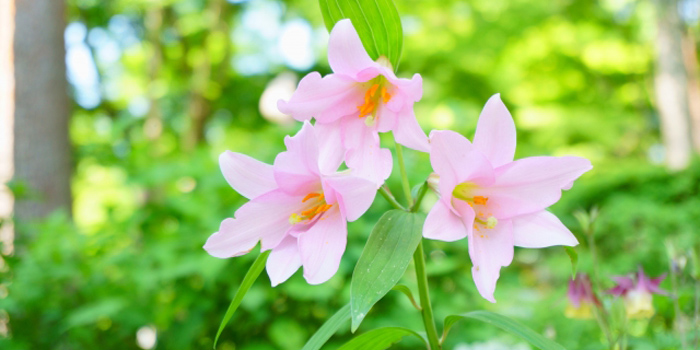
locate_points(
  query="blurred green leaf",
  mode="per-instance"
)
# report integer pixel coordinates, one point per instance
(379, 339)
(571, 252)
(250, 277)
(384, 260)
(406, 291)
(328, 329)
(507, 324)
(377, 23)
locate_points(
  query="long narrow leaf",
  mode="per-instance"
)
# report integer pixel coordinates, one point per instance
(377, 22)
(328, 329)
(384, 260)
(248, 280)
(507, 324)
(379, 339)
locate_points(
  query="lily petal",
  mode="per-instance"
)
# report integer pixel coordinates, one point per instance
(490, 249)
(248, 176)
(330, 143)
(364, 155)
(264, 218)
(409, 133)
(532, 184)
(296, 170)
(283, 261)
(346, 55)
(353, 194)
(322, 246)
(326, 99)
(495, 132)
(454, 159)
(541, 229)
(444, 225)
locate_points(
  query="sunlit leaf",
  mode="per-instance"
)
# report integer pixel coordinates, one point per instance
(384, 260)
(574, 260)
(250, 277)
(379, 339)
(377, 23)
(507, 324)
(328, 329)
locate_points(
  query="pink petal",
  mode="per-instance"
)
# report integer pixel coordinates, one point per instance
(283, 261)
(353, 194)
(453, 158)
(532, 184)
(246, 175)
(364, 155)
(495, 132)
(410, 89)
(331, 151)
(442, 224)
(296, 170)
(264, 218)
(322, 246)
(346, 55)
(409, 133)
(541, 229)
(490, 249)
(325, 99)
(386, 118)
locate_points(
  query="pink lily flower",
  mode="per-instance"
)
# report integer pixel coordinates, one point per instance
(637, 293)
(360, 99)
(299, 208)
(495, 202)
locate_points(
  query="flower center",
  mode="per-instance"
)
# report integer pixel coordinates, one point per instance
(317, 205)
(483, 218)
(377, 93)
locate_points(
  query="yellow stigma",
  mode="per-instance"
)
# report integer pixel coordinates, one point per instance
(316, 207)
(491, 222)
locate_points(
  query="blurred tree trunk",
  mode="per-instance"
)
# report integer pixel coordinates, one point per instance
(7, 109)
(41, 146)
(691, 63)
(671, 85)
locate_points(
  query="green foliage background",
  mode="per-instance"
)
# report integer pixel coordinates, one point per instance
(576, 74)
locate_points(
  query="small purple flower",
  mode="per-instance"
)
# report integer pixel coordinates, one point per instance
(581, 297)
(637, 292)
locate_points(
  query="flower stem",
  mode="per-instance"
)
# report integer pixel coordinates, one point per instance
(404, 177)
(390, 198)
(426, 307)
(419, 197)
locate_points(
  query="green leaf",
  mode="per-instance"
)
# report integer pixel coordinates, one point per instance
(248, 280)
(379, 339)
(384, 260)
(377, 23)
(328, 329)
(407, 291)
(574, 260)
(507, 324)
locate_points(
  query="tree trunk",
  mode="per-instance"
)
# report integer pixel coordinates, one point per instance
(691, 64)
(7, 110)
(671, 85)
(41, 145)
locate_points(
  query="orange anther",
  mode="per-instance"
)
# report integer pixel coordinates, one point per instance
(480, 200)
(311, 195)
(385, 95)
(373, 90)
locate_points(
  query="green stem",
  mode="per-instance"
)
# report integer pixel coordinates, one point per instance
(426, 307)
(419, 198)
(390, 198)
(404, 176)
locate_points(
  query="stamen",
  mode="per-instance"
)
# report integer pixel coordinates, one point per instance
(480, 200)
(373, 90)
(312, 195)
(385, 95)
